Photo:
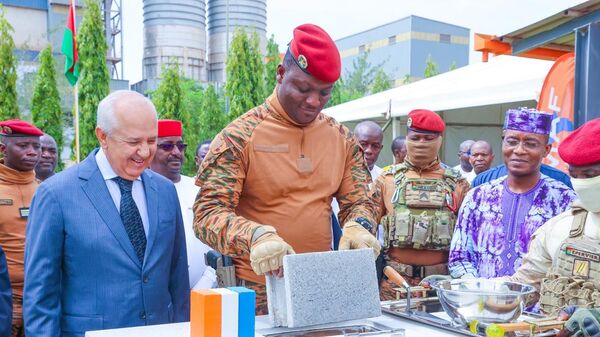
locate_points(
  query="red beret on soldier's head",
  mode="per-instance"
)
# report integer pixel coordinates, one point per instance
(169, 128)
(582, 146)
(17, 127)
(315, 53)
(427, 121)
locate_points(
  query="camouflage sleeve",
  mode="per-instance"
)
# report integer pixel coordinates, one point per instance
(353, 193)
(377, 197)
(221, 178)
(462, 187)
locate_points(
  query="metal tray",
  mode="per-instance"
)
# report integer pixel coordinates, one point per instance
(423, 310)
(355, 330)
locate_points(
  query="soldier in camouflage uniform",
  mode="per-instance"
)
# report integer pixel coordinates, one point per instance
(563, 261)
(269, 177)
(417, 202)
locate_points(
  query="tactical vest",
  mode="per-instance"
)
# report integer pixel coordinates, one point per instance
(574, 278)
(421, 218)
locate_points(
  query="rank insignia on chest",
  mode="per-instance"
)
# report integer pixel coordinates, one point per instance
(424, 196)
(6, 202)
(581, 268)
(570, 251)
(24, 212)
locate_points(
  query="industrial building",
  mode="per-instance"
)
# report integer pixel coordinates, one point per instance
(196, 35)
(193, 33)
(403, 46)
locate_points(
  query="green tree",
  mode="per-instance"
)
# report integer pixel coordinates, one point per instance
(93, 79)
(363, 79)
(431, 68)
(452, 66)
(204, 118)
(381, 82)
(45, 104)
(272, 61)
(406, 79)
(9, 108)
(358, 81)
(245, 80)
(168, 97)
(212, 116)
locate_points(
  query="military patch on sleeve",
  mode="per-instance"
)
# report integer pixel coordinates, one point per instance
(582, 254)
(6, 202)
(581, 268)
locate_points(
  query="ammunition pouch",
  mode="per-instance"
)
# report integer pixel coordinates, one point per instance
(421, 218)
(574, 279)
(425, 230)
(558, 292)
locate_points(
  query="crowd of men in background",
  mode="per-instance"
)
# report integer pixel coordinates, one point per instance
(119, 239)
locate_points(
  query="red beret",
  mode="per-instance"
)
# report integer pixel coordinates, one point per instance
(582, 146)
(315, 53)
(16, 127)
(169, 128)
(423, 120)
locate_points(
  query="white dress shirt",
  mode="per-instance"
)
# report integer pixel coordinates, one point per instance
(137, 191)
(201, 276)
(467, 175)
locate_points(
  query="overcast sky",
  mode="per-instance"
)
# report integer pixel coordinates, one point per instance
(346, 17)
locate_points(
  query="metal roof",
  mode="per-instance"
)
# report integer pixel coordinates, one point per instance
(547, 38)
(554, 32)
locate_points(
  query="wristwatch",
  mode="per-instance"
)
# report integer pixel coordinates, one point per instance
(365, 223)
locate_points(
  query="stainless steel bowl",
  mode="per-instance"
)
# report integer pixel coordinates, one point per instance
(485, 300)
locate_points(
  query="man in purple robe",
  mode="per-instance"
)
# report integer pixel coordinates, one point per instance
(496, 220)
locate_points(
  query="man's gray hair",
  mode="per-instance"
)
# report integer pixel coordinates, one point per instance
(105, 116)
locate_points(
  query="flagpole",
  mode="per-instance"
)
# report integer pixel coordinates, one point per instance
(76, 90)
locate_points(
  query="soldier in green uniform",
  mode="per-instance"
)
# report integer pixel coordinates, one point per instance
(416, 202)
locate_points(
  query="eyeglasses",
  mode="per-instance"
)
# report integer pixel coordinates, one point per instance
(527, 144)
(170, 146)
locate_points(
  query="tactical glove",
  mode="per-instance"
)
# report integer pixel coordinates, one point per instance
(267, 250)
(355, 236)
(583, 322)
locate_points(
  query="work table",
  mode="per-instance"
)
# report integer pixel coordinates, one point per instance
(412, 329)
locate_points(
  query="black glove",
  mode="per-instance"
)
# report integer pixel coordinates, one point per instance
(583, 322)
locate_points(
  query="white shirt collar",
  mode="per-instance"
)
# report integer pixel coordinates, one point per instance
(104, 166)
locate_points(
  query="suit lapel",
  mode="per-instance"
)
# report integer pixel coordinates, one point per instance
(94, 187)
(151, 192)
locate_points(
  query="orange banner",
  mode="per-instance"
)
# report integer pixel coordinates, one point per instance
(557, 98)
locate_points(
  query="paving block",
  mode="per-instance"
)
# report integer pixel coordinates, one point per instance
(325, 287)
(246, 315)
(205, 313)
(229, 312)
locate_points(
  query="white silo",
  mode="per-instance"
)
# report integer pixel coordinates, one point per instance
(175, 31)
(223, 18)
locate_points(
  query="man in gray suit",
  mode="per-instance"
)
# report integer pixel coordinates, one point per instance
(105, 240)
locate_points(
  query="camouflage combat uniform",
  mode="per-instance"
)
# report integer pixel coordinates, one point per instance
(264, 169)
(417, 208)
(563, 262)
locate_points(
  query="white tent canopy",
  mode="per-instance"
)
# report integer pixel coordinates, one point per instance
(504, 79)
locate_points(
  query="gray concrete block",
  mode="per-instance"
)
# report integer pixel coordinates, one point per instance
(324, 288)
